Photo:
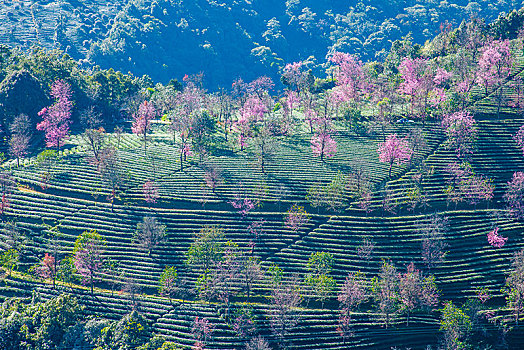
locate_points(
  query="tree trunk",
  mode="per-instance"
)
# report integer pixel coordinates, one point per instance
(499, 100)
(145, 144)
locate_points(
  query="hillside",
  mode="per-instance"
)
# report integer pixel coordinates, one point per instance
(227, 39)
(370, 205)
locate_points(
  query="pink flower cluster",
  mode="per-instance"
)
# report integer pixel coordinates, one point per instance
(394, 150)
(55, 118)
(495, 240)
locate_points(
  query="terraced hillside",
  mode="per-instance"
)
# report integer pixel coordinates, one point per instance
(337, 215)
(74, 201)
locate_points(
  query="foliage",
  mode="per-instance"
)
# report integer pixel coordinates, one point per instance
(9, 260)
(495, 240)
(319, 266)
(206, 249)
(385, 289)
(88, 260)
(296, 217)
(56, 117)
(514, 195)
(131, 331)
(415, 291)
(514, 289)
(38, 325)
(455, 324)
(330, 196)
(394, 150)
(465, 185)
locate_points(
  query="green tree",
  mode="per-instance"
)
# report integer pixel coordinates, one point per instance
(385, 290)
(514, 289)
(169, 282)
(319, 266)
(206, 249)
(9, 260)
(38, 325)
(331, 196)
(130, 332)
(87, 256)
(456, 325)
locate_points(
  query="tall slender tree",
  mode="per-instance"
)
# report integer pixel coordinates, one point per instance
(56, 118)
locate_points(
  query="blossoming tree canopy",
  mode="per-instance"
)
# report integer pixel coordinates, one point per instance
(394, 150)
(56, 118)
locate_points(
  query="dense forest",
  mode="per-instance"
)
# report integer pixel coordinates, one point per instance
(167, 39)
(340, 193)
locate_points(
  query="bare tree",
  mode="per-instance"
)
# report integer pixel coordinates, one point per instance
(149, 233)
(20, 129)
(283, 312)
(96, 141)
(111, 173)
(433, 239)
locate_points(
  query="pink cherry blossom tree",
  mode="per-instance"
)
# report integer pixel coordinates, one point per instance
(494, 68)
(150, 191)
(201, 331)
(142, 121)
(519, 138)
(87, 256)
(461, 132)
(294, 77)
(260, 86)
(496, 240)
(349, 76)
(244, 200)
(352, 293)
(189, 103)
(322, 143)
(48, 268)
(514, 289)
(514, 195)
(417, 82)
(56, 118)
(296, 218)
(394, 150)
